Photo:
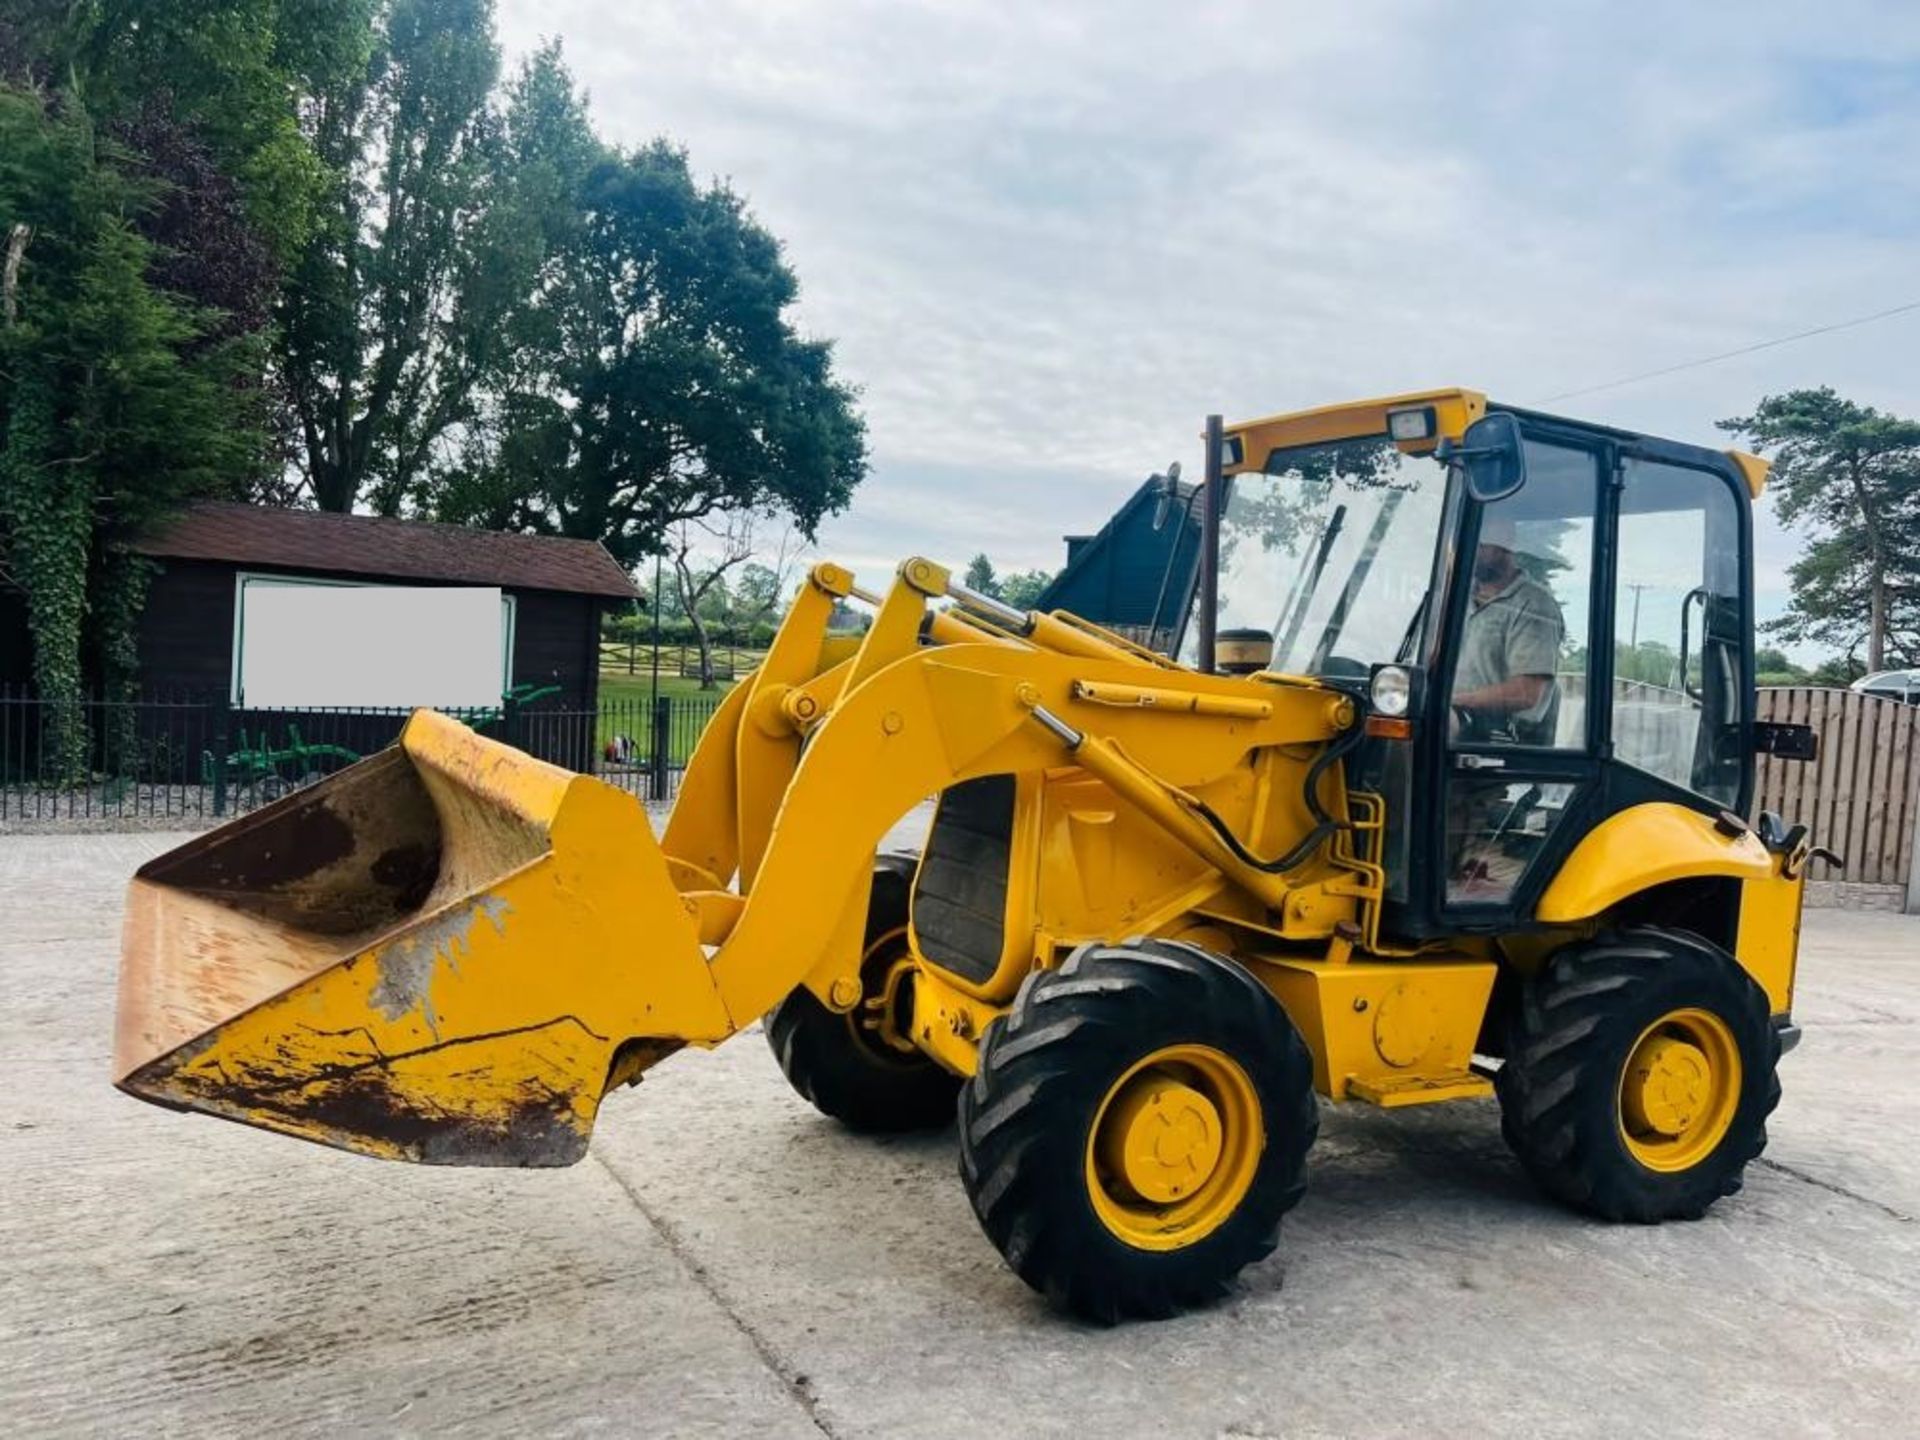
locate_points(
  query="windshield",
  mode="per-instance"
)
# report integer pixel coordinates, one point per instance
(1331, 551)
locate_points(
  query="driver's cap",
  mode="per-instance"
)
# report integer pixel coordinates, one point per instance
(1497, 530)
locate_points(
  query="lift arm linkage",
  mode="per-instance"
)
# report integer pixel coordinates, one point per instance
(907, 717)
(450, 951)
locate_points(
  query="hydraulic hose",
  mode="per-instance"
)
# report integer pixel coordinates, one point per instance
(1324, 824)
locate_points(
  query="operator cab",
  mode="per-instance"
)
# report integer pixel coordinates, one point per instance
(1550, 619)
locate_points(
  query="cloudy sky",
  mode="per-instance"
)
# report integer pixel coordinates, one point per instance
(1048, 239)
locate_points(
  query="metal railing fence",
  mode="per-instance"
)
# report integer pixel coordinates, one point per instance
(195, 757)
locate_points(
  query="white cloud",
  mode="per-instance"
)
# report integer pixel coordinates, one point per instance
(1048, 239)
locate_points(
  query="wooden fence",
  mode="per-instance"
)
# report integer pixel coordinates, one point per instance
(1862, 797)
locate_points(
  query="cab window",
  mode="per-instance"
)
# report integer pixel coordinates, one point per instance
(1521, 675)
(1678, 658)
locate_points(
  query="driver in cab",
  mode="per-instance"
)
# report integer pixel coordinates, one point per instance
(1503, 688)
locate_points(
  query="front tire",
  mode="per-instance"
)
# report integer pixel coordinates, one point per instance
(1137, 1126)
(843, 1064)
(1640, 1070)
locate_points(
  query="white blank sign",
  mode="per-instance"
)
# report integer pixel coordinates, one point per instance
(306, 646)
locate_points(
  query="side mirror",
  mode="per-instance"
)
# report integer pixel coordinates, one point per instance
(1492, 456)
(1167, 489)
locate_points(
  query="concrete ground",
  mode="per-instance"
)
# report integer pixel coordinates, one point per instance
(728, 1263)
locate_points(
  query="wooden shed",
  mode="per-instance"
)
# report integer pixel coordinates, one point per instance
(554, 590)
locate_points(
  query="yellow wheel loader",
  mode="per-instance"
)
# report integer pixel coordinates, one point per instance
(1442, 798)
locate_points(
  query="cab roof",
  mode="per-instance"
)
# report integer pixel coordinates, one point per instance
(1452, 410)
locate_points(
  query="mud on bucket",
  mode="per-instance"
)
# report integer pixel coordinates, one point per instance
(445, 953)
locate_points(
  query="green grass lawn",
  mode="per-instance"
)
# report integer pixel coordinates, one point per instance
(624, 710)
(622, 688)
(624, 696)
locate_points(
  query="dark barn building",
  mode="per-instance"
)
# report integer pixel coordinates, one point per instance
(559, 589)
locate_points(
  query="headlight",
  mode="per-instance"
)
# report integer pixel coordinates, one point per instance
(1410, 425)
(1391, 692)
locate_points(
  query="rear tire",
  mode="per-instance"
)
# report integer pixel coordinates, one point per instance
(1092, 1166)
(1640, 1070)
(840, 1063)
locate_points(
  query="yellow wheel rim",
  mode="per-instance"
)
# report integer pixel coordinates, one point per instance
(1679, 1090)
(1174, 1147)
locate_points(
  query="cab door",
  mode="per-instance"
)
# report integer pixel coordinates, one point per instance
(1519, 749)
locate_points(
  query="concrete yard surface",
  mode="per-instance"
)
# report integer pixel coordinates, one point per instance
(727, 1263)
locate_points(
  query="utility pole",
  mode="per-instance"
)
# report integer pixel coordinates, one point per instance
(1633, 644)
(659, 723)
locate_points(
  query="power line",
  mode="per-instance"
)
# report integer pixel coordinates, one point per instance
(1731, 354)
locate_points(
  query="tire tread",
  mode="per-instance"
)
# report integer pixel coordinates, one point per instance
(830, 1069)
(1564, 1055)
(1023, 1113)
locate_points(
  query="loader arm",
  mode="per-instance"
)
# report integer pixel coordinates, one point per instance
(746, 753)
(740, 770)
(947, 714)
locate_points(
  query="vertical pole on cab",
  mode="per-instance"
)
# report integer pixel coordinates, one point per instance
(1209, 543)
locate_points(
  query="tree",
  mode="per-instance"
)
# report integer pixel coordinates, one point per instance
(1651, 662)
(117, 397)
(286, 248)
(670, 386)
(1851, 476)
(390, 321)
(1837, 672)
(756, 596)
(157, 179)
(517, 433)
(980, 576)
(236, 72)
(1023, 588)
(702, 554)
(30, 32)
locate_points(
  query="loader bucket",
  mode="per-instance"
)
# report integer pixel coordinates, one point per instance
(445, 953)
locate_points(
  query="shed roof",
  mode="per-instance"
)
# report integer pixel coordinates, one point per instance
(373, 545)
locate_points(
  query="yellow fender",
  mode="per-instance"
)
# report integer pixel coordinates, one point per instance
(1642, 847)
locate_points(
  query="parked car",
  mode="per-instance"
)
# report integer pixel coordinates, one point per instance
(1892, 685)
